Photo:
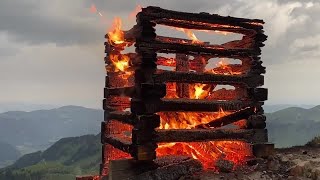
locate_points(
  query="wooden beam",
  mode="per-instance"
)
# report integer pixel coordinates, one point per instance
(157, 14)
(192, 105)
(231, 118)
(123, 91)
(118, 142)
(199, 135)
(194, 49)
(192, 77)
(122, 116)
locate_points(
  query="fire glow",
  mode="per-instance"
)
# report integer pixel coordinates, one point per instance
(206, 152)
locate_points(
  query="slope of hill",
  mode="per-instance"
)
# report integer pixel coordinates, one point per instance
(63, 160)
(293, 126)
(37, 130)
(81, 155)
(8, 154)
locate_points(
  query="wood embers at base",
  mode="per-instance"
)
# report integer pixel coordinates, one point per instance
(163, 168)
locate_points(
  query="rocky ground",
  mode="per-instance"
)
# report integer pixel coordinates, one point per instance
(296, 163)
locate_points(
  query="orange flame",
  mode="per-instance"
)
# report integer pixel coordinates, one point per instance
(135, 12)
(93, 9)
(116, 35)
(190, 35)
(206, 152)
(121, 62)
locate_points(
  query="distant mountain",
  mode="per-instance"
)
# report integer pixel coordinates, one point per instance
(37, 130)
(270, 108)
(64, 160)
(8, 154)
(5, 107)
(293, 126)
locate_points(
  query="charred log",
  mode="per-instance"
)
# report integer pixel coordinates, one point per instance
(231, 118)
(159, 15)
(122, 116)
(125, 91)
(118, 142)
(198, 135)
(194, 49)
(150, 107)
(206, 78)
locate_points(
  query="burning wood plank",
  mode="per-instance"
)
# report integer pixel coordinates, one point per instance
(124, 91)
(201, 105)
(118, 142)
(122, 116)
(231, 118)
(197, 135)
(194, 49)
(206, 78)
(166, 168)
(198, 20)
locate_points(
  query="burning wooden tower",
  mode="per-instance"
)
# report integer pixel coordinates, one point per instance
(151, 111)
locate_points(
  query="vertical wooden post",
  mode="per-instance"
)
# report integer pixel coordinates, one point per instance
(182, 65)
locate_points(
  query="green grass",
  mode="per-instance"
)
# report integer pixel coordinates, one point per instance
(66, 159)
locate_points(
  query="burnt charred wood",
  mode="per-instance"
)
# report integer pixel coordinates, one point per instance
(145, 152)
(263, 150)
(231, 118)
(125, 91)
(122, 116)
(256, 122)
(258, 94)
(194, 49)
(118, 142)
(182, 65)
(171, 168)
(165, 168)
(107, 107)
(147, 122)
(149, 107)
(120, 79)
(156, 90)
(199, 135)
(191, 77)
(144, 75)
(117, 102)
(143, 136)
(159, 15)
(257, 68)
(202, 105)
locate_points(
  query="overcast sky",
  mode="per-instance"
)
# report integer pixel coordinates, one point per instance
(51, 51)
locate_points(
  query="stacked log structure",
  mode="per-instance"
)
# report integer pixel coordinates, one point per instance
(135, 133)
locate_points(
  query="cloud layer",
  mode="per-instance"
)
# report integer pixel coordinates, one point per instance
(52, 51)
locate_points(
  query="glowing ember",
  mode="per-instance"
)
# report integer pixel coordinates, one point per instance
(222, 67)
(206, 152)
(209, 152)
(116, 35)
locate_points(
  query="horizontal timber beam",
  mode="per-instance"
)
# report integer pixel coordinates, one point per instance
(199, 135)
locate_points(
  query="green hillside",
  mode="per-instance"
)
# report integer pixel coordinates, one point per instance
(64, 160)
(8, 154)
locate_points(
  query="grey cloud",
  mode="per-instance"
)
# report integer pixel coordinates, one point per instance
(24, 21)
(6, 51)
